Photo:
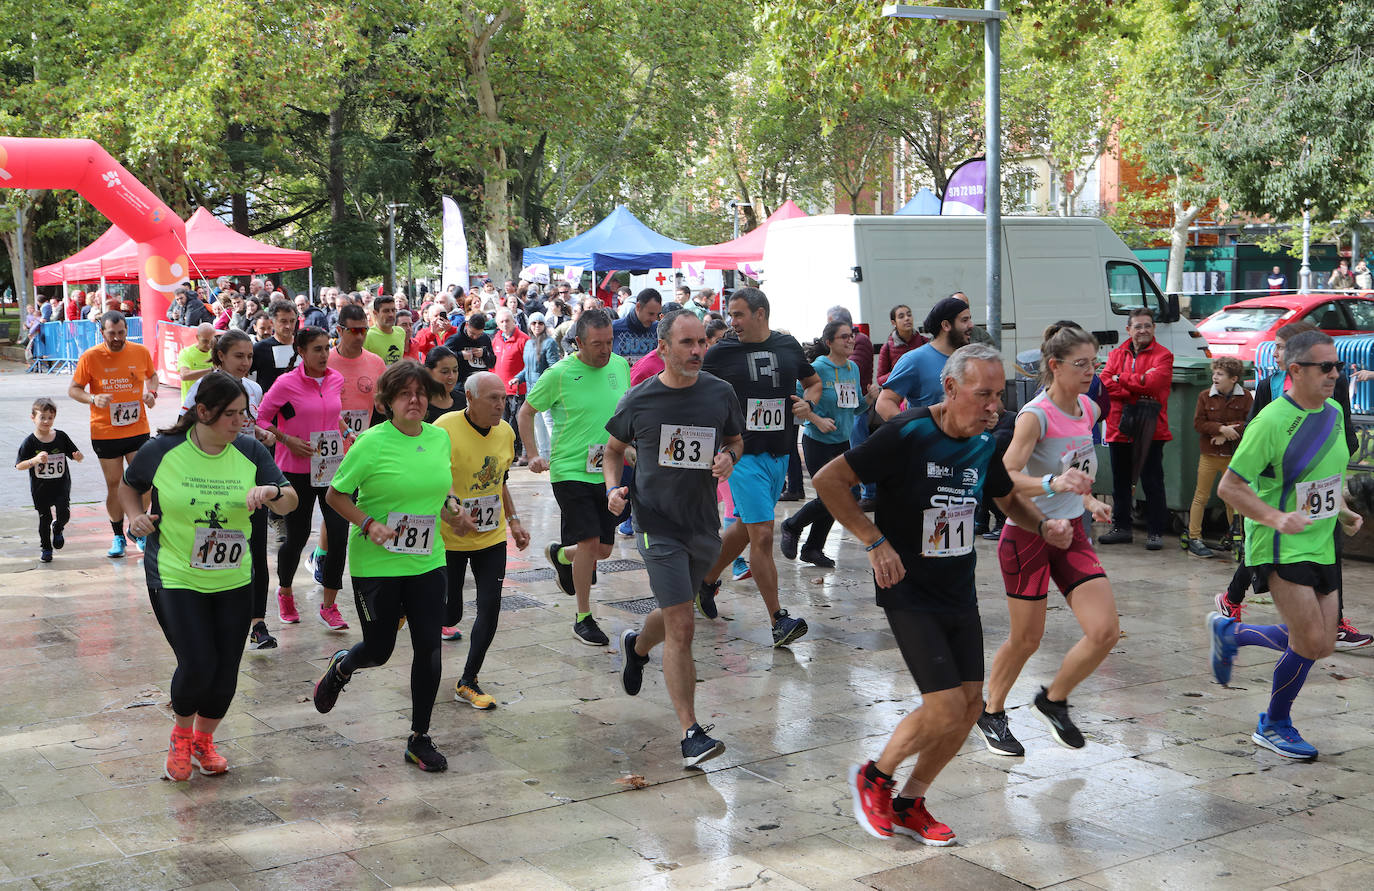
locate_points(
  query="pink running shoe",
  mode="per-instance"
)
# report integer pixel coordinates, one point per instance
(286, 608)
(332, 618)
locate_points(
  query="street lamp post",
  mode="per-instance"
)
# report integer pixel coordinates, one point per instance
(1305, 271)
(391, 237)
(991, 16)
(734, 205)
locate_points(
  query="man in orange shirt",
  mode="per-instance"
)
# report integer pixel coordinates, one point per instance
(117, 379)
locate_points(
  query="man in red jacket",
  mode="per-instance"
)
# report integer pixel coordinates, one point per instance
(1141, 368)
(509, 344)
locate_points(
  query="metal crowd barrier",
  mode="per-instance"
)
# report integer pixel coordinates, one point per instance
(60, 344)
(1356, 350)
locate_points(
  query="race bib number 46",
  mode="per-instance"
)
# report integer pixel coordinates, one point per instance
(1083, 457)
(765, 415)
(122, 414)
(692, 448)
(215, 549)
(1320, 499)
(947, 531)
(414, 533)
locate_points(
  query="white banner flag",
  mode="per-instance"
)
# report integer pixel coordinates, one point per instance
(695, 273)
(455, 247)
(536, 272)
(753, 269)
(572, 275)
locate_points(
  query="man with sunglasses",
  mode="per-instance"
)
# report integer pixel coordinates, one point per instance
(359, 367)
(1231, 602)
(1140, 369)
(1288, 479)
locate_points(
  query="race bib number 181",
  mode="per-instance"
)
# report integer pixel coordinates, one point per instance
(414, 533)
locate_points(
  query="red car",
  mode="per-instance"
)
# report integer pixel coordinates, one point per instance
(1238, 330)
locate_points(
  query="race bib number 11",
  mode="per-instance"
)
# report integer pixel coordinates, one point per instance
(947, 531)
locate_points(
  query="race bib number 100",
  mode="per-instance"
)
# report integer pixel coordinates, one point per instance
(1320, 499)
(122, 414)
(947, 531)
(414, 533)
(765, 415)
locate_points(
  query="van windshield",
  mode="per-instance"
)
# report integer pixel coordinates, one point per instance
(1249, 318)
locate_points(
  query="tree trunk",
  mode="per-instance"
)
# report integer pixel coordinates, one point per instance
(1184, 214)
(495, 177)
(24, 292)
(238, 199)
(338, 199)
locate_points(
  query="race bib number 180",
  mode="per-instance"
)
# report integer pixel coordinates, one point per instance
(765, 415)
(215, 549)
(947, 531)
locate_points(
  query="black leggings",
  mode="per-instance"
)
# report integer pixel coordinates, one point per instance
(381, 602)
(813, 513)
(489, 574)
(206, 632)
(298, 524)
(47, 526)
(257, 548)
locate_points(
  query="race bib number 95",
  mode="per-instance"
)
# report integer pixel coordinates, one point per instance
(1320, 499)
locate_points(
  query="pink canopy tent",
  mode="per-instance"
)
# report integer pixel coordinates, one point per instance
(748, 248)
(57, 273)
(214, 249)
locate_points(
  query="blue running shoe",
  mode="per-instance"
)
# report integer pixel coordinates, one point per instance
(739, 570)
(1222, 631)
(116, 547)
(142, 543)
(627, 529)
(316, 563)
(1282, 737)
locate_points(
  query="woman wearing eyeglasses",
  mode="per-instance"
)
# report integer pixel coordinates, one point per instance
(824, 438)
(1052, 460)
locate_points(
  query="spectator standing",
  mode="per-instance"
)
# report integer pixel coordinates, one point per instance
(541, 353)
(1138, 376)
(1341, 279)
(1219, 419)
(473, 346)
(1364, 280)
(385, 339)
(903, 339)
(311, 316)
(509, 347)
(636, 335)
(1277, 281)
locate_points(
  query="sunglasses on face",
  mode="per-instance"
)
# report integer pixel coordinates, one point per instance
(1326, 367)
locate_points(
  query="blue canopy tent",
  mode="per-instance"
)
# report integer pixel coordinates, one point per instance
(620, 241)
(924, 203)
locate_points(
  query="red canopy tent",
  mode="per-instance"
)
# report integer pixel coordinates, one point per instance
(57, 273)
(214, 250)
(748, 248)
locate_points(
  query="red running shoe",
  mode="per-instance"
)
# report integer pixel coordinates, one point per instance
(872, 801)
(205, 756)
(178, 767)
(1228, 609)
(916, 822)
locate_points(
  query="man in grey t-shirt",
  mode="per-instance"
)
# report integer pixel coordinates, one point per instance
(687, 431)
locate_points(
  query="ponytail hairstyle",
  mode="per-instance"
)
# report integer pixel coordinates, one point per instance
(225, 342)
(1061, 338)
(305, 337)
(216, 392)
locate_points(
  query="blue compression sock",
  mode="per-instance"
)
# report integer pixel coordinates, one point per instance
(1273, 637)
(1289, 675)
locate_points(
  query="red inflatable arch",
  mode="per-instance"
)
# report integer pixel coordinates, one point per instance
(81, 164)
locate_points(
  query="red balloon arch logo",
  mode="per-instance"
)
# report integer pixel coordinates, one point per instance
(84, 166)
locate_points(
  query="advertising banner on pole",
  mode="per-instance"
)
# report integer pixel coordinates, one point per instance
(965, 192)
(455, 246)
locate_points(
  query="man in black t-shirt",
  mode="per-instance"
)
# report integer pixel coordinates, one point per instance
(931, 465)
(472, 345)
(764, 367)
(273, 356)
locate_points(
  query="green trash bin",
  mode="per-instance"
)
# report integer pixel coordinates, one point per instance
(1191, 377)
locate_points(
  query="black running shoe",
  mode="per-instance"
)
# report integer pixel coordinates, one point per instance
(564, 570)
(1056, 716)
(787, 541)
(260, 638)
(58, 539)
(997, 735)
(787, 629)
(330, 684)
(420, 751)
(632, 672)
(817, 557)
(706, 599)
(698, 747)
(590, 633)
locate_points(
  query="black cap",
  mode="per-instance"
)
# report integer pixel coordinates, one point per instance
(947, 310)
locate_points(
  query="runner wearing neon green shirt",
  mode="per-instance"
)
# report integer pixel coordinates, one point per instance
(581, 393)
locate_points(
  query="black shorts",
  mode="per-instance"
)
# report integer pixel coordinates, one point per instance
(942, 650)
(584, 512)
(110, 449)
(1322, 578)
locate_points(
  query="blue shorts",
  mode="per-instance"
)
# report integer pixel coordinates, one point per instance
(755, 485)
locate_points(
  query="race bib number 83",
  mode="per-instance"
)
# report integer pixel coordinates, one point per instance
(692, 448)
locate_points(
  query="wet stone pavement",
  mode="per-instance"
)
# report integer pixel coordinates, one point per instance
(1169, 792)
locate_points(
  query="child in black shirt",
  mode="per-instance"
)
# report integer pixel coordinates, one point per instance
(44, 454)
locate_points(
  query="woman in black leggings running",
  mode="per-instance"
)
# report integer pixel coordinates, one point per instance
(206, 480)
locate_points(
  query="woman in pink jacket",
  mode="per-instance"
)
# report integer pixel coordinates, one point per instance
(303, 409)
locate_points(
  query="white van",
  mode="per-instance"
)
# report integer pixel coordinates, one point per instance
(1053, 268)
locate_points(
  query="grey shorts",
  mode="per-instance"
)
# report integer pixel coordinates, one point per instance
(677, 567)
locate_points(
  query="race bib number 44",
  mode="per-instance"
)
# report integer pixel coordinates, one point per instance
(215, 549)
(1320, 499)
(122, 414)
(947, 531)
(414, 533)
(765, 415)
(691, 448)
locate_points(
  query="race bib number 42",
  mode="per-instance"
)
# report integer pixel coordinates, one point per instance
(1320, 499)
(692, 448)
(122, 414)
(485, 511)
(215, 549)
(765, 415)
(414, 533)
(596, 454)
(947, 531)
